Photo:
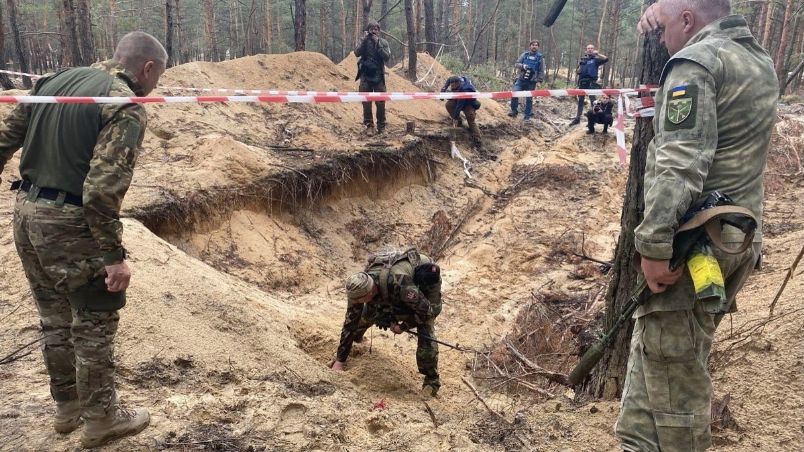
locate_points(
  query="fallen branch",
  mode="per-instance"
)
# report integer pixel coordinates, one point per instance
(10, 358)
(787, 277)
(483, 401)
(431, 413)
(555, 377)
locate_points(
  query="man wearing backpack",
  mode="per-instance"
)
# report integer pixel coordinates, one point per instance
(374, 52)
(530, 72)
(397, 291)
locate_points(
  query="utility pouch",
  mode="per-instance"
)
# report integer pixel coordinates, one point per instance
(94, 297)
(707, 278)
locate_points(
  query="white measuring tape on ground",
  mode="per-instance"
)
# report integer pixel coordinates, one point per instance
(456, 154)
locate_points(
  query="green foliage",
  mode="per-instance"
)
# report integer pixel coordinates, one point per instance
(485, 76)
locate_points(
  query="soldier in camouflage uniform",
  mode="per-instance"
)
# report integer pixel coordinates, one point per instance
(76, 165)
(715, 111)
(398, 291)
(374, 52)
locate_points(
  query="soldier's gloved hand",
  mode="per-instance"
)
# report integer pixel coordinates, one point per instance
(397, 328)
(384, 323)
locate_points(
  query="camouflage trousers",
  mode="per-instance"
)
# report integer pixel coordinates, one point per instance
(59, 255)
(667, 394)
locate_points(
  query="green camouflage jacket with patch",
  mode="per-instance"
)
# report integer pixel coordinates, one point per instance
(409, 304)
(715, 111)
(111, 164)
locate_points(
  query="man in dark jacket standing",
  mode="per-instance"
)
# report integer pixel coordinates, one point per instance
(469, 107)
(374, 52)
(76, 165)
(587, 73)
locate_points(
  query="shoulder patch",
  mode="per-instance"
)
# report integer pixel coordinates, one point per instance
(682, 108)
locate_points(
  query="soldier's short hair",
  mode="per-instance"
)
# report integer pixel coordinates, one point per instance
(709, 10)
(137, 48)
(453, 79)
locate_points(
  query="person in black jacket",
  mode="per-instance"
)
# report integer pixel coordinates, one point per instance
(601, 113)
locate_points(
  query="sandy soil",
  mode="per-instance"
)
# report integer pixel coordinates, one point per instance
(234, 317)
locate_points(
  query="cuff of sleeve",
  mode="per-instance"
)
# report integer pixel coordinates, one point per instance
(654, 250)
(115, 256)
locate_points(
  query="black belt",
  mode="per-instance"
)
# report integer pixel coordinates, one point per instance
(48, 193)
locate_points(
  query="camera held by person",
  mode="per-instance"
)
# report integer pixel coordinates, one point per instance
(601, 114)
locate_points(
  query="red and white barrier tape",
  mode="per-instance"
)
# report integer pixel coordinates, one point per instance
(21, 74)
(312, 98)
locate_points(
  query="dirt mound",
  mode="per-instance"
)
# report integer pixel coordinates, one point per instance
(430, 74)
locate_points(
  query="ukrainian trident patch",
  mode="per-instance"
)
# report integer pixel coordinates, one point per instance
(682, 107)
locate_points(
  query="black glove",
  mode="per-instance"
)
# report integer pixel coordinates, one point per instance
(384, 323)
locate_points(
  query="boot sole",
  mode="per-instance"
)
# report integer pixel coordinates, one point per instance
(117, 435)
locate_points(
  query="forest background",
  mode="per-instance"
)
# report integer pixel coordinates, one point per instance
(481, 38)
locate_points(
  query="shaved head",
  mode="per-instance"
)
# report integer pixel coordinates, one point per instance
(706, 10)
(137, 48)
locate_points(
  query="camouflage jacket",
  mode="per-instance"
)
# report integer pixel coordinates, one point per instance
(715, 111)
(111, 167)
(408, 304)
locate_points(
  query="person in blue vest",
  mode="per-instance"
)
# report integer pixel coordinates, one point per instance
(469, 107)
(530, 72)
(587, 72)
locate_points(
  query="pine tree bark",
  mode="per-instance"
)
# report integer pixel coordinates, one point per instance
(300, 24)
(766, 34)
(84, 20)
(267, 33)
(430, 27)
(72, 53)
(411, 28)
(607, 379)
(344, 46)
(211, 31)
(15, 34)
(384, 14)
(366, 15)
(783, 40)
(169, 31)
(5, 82)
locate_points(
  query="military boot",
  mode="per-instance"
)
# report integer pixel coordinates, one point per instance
(431, 386)
(119, 423)
(68, 416)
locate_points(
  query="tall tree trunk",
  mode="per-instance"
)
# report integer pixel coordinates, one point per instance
(267, 34)
(323, 39)
(83, 15)
(5, 82)
(430, 28)
(411, 40)
(419, 23)
(769, 13)
(169, 31)
(344, 47)
(15, 34)
(783, 40)
(72, 53)
(300, 24)
(384, 14)
(607, 379)
(210, 30)
(603, 22)
(112, 24)
(356, 29)
(366, 12)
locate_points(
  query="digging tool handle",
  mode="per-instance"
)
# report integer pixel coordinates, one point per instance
(428, 338)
